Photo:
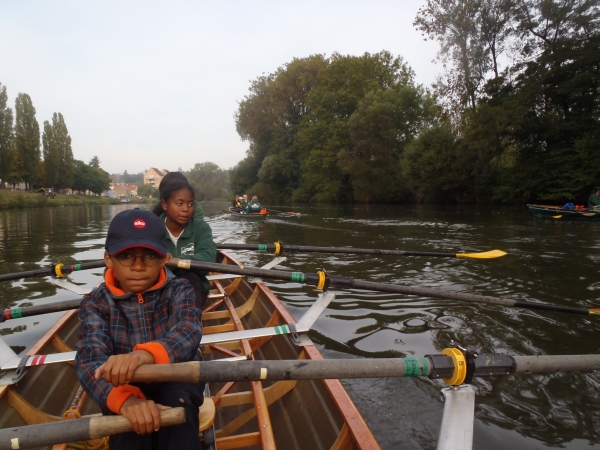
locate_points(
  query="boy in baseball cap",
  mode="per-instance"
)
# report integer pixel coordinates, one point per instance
(140, 314)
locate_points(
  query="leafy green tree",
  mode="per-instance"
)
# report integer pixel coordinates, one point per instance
(147, 191)
(95, 162)
(325, 135)
(269, 119)
(436, 167)
(27, 140)
(209, 181)
(132, 178)
(384, 122)
(86, 178)
(6, 137)
(58, 155)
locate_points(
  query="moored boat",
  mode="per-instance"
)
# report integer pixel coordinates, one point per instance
(236, 215)
(244, 320)
(558, 212)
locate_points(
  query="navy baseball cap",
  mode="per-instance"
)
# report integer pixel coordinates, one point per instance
(136, 228)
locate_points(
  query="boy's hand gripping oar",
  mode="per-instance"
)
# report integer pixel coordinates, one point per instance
(84, 429)
(322, 281)
(279, 248)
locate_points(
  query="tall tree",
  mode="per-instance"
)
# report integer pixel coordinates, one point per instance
(58, 154)
(472, 35)
(210, 182)
(6, 137)
(27, 140)
(95, 162)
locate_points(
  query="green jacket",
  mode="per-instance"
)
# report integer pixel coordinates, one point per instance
(244, 204)
(198, 211)
(254, 207)
(594, 200)
(195, 243)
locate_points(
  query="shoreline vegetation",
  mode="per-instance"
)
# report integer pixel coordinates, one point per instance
(513, 117)
(25, 199)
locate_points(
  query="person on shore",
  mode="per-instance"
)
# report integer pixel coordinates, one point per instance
(187, 237)
(254, 206)
(594, 200)
(140, 314)
(156, 207)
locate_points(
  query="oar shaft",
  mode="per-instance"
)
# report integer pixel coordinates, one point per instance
(46, 271)
(349, 283)
(15, 313)
(83, 429)
(432, 366)
(340, 250)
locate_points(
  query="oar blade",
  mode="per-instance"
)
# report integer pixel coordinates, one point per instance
(483, 255)
(557, 217)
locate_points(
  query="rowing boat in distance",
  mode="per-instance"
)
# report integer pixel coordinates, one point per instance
(243, 320)
(234, 214)
(558, 212)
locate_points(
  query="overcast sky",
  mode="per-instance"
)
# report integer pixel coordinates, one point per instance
(156, 84)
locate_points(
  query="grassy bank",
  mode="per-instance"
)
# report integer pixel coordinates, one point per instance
(22, 199)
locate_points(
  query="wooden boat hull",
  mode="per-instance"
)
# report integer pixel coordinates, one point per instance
(283, 414)
(548, 211)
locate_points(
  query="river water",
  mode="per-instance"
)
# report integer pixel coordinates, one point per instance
(551, 260)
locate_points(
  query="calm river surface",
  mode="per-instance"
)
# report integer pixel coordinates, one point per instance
(553, 261)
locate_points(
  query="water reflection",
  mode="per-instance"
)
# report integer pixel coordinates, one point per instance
(549, 261)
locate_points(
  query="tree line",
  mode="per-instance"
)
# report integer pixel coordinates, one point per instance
(514, 116)
(21, 155)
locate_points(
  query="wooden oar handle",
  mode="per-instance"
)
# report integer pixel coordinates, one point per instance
(83, 429)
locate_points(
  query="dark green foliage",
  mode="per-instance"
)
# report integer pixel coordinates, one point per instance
(58, 155)
(147, 191)
(95, 162)
(86, 178)
(209, 181)
(6, 137)
(27, 141)
(314, 129)
(133, 178)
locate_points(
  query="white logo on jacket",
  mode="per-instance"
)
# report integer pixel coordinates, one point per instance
(188, 249)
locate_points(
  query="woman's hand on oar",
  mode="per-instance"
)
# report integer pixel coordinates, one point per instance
(278, 248)
(323, 281)
(84, 429)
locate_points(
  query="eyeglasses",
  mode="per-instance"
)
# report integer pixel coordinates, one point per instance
(127, 258)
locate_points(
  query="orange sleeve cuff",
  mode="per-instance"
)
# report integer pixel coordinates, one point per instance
(118, 395)
(158, 351)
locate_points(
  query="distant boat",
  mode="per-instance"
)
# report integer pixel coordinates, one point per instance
(557, 212)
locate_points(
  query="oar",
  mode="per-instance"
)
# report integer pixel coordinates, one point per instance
(84, 429)
(279, 248)
(323, 280)
(56, 270)
(27, 311)
(432, 366)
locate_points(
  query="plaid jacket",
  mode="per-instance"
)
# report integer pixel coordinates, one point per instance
(162, 320)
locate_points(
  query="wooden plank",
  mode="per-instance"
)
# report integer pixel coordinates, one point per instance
(283, 312)
(3, 390)
(212, 306)
(60, 345)
(207, 414)
(239, 441)
(265, 428)
(43, 341)
(222, 350)
(29, 413)
(224, 390)
(231, 288)
(344, 440)
(363, 438)
(219, 328)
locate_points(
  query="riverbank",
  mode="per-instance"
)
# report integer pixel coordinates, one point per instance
(24, 199)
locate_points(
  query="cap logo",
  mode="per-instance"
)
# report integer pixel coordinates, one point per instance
(139, 223)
